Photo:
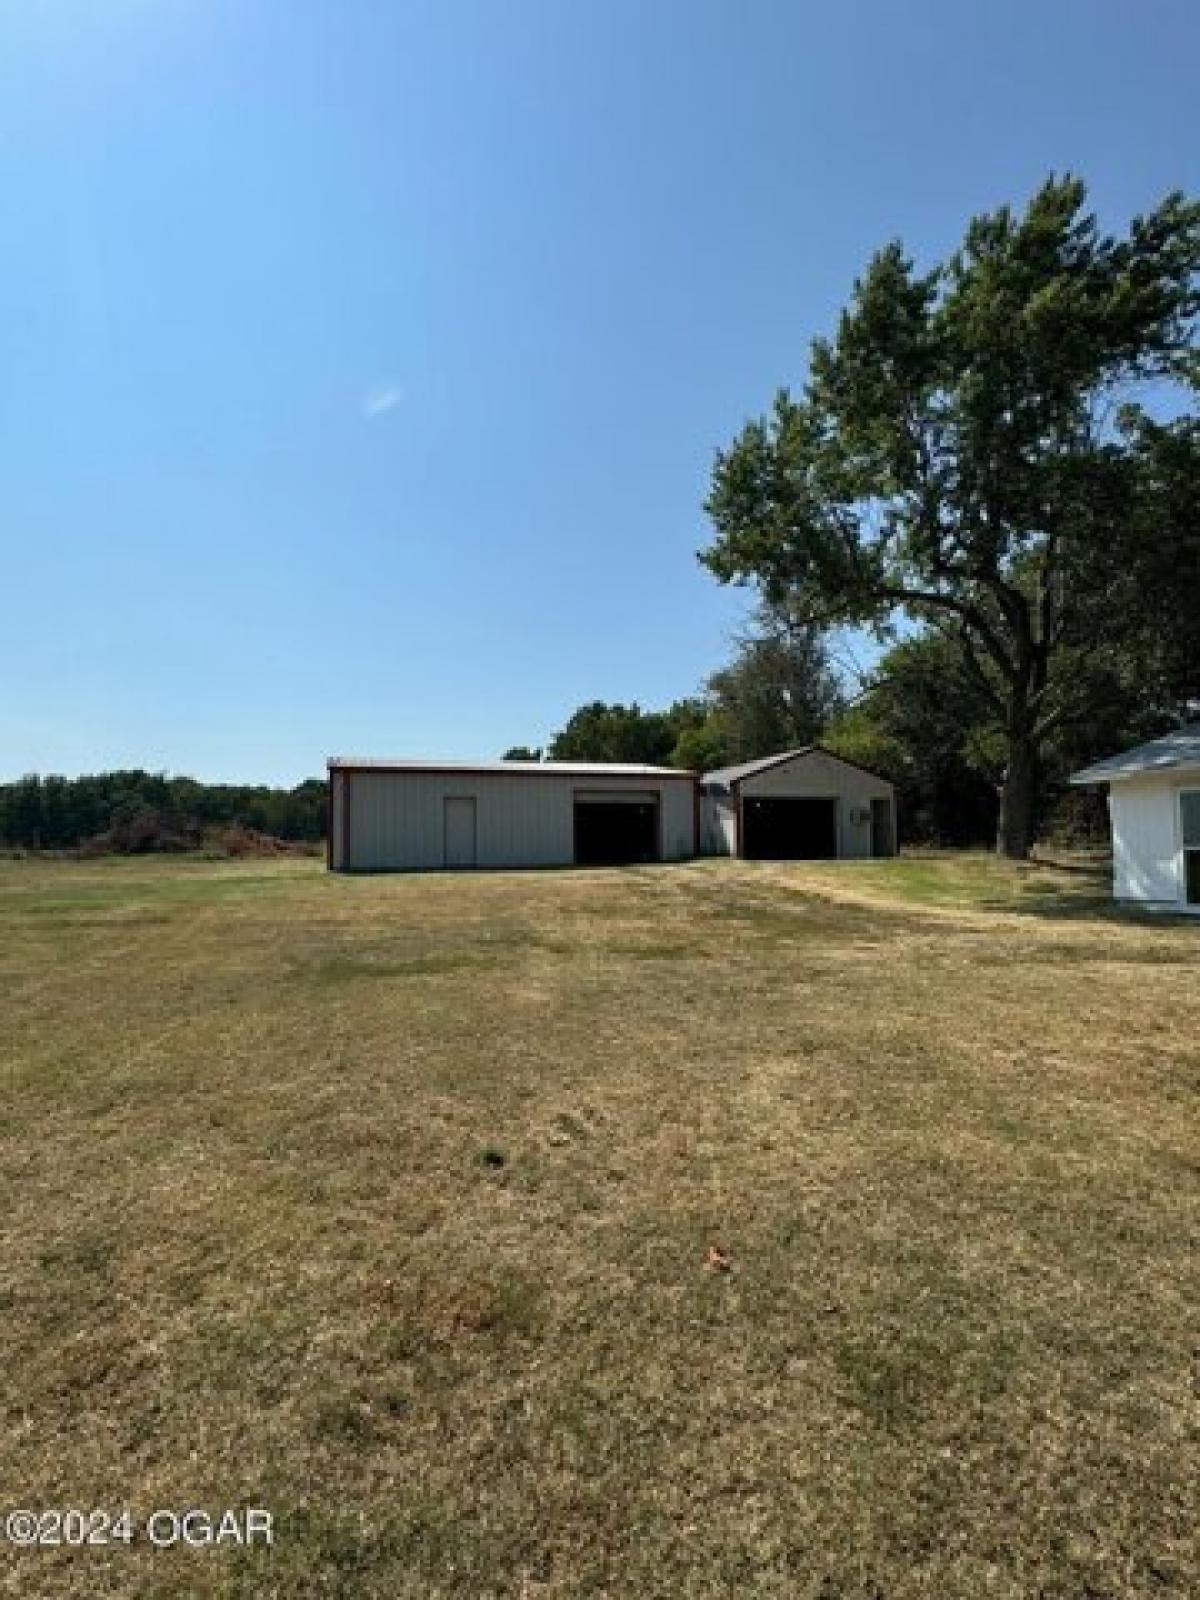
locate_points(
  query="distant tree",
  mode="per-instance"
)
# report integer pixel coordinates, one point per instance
(701, 748)
(699, 738)
(603, 732)
(779, 691)
(859, 735)
(924, 723)
(21, 811)
(968, 450)
(140, 810)
(522, 752)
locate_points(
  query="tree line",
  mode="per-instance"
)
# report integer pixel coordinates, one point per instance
(134, 811)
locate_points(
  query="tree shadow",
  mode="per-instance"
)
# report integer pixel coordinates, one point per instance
(1098, 867)
(1088, 898)
(1065, 905)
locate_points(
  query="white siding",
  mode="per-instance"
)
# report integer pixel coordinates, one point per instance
(718, 826)
(727, 826)
(396, 819)
(1147, 864)
(819, 774)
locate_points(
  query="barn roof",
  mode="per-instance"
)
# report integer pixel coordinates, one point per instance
(565, 769)
(725, 776)
(1178, 749)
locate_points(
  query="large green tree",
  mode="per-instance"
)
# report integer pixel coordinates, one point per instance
(599, 731)
(780, 689)
(975, 449)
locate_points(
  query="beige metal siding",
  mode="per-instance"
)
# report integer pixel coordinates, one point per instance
(397, 819)
(883, 826)
(678, 819)
(458, 831)
(823, 776)
(727, 821)
(718, 825)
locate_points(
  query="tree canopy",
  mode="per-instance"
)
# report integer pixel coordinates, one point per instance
(602, 732)
(978, 448)
(779, 689)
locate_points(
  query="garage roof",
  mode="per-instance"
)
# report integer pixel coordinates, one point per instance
(551, 769)
(1178, 749)
(725, 776)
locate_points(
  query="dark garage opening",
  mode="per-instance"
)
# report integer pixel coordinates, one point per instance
(789, 828)
(611, 832)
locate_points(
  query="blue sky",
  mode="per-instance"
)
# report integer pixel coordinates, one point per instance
(362, 363)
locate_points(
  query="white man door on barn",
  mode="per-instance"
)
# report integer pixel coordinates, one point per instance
(459, 820)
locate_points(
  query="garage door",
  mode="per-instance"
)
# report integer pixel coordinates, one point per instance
(615, 829)
(789, 828)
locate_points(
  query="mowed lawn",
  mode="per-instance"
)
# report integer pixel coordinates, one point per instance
(717, 1230)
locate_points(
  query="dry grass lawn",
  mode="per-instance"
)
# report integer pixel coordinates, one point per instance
(721, 1230)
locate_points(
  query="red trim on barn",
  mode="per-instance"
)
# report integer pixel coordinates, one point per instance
(329, 823)
(545, 770)
(345, 821)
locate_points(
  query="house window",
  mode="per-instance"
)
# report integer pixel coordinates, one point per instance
(1189, 817)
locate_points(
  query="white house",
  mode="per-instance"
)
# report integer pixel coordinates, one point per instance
(1154, 809)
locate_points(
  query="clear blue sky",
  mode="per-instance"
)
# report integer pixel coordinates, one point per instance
(363, 362)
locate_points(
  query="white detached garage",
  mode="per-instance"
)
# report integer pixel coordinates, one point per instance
(1154, 811)
(802, 805)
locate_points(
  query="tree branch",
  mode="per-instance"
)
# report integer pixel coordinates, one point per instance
(1047, 724)
(969, 613)
(959, 637)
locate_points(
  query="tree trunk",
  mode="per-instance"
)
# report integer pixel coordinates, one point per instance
(1018, 798)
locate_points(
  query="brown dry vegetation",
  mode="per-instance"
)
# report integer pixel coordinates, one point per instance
(718, 1230)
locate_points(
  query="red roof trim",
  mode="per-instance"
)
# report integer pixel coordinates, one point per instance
(575, 773)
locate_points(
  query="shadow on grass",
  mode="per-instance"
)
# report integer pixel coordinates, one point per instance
(1073, 904)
